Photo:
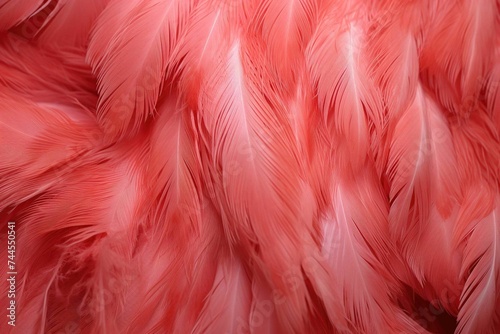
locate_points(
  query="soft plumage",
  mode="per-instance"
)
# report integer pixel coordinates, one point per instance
(251, 166)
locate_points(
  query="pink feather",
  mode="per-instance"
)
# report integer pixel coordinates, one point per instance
(250, 166)
(481, 267)
(130, 65)
(286, 27)
(13, 12)
(421, 158)
(70, 23)
(457, 53)
(350, 102)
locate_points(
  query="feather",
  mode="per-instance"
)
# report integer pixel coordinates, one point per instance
(108, 28)
(349, 101)
(414, 17)
(262, 317)
(256, 171)
(476, 142)
(456, 69)
(174, 275)
(299, 107)
(424, 196)
(131, 65)
(40, 144)
(95, 239)
(492, 87)
(208, 31)
(94, 242)
(174, 167)
(70, 23)
(394, 35)
(256, 166)
(204, 261)
(64, 78)
(394, 55)
(32, 294)
(47, 115)
(421, 158)
(286, 27)
(12, 12)
(481, 270)
(227, 307)
(180, 230)
(435, 275)
(357, 254)
(444, 159)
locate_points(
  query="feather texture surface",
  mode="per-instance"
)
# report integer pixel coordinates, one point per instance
(250, 166)
(130, 65)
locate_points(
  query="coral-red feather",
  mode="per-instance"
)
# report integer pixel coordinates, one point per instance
(70, 23)
(13, 12)
(130, 55)
(349, 100)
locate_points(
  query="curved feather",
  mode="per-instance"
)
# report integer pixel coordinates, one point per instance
(227, 307)
(464, 31)
(131, 65)
(421, 168)
(180, 229)
(91, 220)
(256, 171)
(425, 195)
(394, 56)
(481, 270)
(40, 144)
(356, 250)
(108, 28)
(174, 166)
